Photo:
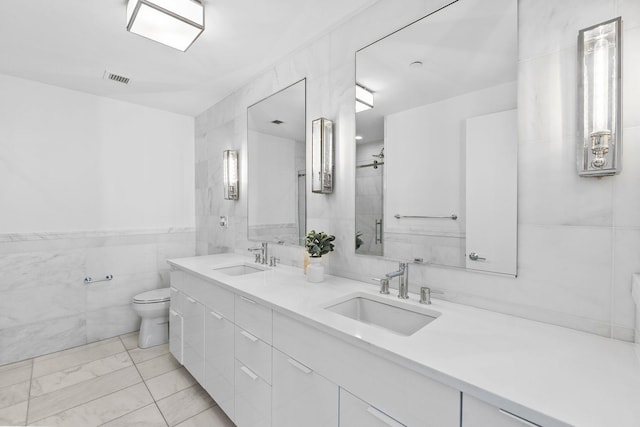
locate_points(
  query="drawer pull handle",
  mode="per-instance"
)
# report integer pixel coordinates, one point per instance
(517, 418)
(384, 417)
(249, 373)
(216, 315)
(249, 336)
(191, 300)
(300, 366)
(247, 300)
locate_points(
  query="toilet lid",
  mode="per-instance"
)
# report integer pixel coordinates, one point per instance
(156, 295)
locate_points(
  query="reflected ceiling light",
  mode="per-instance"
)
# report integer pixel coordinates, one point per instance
(358, 137)
(364, 98)
(600, 148)
(174, 23)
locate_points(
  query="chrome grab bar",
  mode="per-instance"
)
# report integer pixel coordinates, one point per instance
(452, 216)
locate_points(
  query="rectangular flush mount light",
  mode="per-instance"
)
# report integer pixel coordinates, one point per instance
(322, 166)
(364, 98)
(599, 65)
(175, 23)
(230, 174)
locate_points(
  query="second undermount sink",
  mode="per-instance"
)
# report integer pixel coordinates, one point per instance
(240, 269)
(394, 316)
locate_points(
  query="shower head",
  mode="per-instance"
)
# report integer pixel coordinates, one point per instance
(379, 156)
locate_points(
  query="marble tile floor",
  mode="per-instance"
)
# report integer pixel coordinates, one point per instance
(107, 383)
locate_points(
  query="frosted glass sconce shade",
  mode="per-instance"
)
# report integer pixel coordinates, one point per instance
(599, 68)
(230, 174)
(364, 98)
(322, 166)
(175, 23)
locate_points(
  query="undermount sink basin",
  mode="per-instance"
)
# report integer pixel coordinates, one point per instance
(239, 270)
(394, 316)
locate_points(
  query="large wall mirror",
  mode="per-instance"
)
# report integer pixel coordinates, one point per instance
(436, 139)
(276, 187)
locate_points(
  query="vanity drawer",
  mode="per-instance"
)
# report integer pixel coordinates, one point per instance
(177, 299)
(355, 412)
(476, 413)
(218, 299)
(254, 353)
(415, 399)
(254, 318)
(252, 397)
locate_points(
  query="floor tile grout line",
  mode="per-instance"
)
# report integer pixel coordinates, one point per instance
(88, 401)
(83, 381)
(26, 415)
(83, 363)
(155, 402)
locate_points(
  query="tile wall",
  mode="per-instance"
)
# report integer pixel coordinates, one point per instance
(45, 306)
(578, 238)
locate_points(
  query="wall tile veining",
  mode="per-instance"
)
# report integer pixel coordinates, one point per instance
(578, 238)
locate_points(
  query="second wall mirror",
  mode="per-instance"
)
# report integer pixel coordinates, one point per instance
(436, 139)
(276, 145)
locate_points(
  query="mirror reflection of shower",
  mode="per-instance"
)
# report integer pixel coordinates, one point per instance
(369, 197)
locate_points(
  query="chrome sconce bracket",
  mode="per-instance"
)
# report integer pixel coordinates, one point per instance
(599, 150)
(230, 174)
(322, 160)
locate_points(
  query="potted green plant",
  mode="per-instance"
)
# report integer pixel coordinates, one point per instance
(317, 244)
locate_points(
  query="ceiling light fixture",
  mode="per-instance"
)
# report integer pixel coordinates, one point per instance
(174, 23)
(364, 98)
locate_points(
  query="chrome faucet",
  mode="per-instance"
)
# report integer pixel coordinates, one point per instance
(261, 253)
(403, 279)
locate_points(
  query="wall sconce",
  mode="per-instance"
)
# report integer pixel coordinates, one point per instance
(322, 156)
(174, 23)
(364, 98)
(600, 148)
(230, 174)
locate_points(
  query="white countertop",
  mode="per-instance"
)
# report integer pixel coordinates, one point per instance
(540, 371)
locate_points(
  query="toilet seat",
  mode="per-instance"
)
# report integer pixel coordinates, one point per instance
(151, 297)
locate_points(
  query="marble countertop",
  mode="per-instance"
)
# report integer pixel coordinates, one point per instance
(545, 373)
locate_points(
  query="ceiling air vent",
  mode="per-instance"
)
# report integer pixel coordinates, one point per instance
(115, 77)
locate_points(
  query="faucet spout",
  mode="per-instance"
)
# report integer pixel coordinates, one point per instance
(403, 279)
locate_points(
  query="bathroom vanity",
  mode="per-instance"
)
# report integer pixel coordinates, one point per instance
(272, 350)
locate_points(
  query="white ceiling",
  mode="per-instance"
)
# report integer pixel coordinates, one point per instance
(70, 43)
(468, 46)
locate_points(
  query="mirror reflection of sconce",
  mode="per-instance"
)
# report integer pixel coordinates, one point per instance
(230, 174)
(600, 148)
(322, 165)
(364, 98)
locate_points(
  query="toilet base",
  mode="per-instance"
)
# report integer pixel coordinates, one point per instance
(153, 332)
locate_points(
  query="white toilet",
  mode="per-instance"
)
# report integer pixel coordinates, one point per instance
(153, 308)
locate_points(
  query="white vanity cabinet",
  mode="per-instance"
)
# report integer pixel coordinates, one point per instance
(193, 337)
(175, 322)
(253, 363)
(405, 395)
(476, 413)
(219, 363)
(355, 412)
(301, 396)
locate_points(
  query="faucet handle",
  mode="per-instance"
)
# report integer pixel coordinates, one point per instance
(273, 261)
(425, 294)
(384, 285)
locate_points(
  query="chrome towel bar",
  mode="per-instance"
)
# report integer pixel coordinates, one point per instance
(88, 279)
(452, 216)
